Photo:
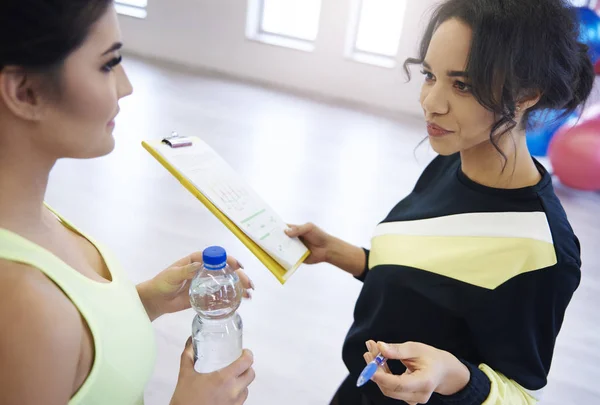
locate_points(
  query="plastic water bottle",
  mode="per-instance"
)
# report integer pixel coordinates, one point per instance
(216, 293)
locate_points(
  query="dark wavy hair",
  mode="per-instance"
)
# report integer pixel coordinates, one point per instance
(519, 48)
(38, 35)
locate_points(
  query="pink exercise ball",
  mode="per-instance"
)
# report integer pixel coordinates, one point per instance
(575, 155)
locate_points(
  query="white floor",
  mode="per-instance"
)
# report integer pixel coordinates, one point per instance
(339, 168)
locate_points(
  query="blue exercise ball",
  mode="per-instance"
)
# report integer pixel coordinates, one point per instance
(589, 31)
(543, 126)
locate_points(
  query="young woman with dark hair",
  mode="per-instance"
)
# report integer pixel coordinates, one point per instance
(470, 275)
(73, 328)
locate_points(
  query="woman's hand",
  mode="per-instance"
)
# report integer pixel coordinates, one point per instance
(168, 291)
(428, 370)
(228, 386)
(315, 239)
(326, 248)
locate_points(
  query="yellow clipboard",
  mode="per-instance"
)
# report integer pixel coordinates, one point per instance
(270, 263)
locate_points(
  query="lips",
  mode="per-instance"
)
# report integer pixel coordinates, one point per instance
(111, 123)
(436, 130)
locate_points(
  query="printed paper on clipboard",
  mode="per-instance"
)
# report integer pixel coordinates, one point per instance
(212, 176)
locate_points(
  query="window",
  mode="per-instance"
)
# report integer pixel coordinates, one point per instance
(378, 29)
(291, 23)
(292, 18)
(582, 3)
(132, 8)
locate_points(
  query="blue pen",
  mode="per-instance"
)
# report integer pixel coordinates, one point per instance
(369, 371)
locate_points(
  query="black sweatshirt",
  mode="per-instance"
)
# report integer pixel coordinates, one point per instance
(483, 273)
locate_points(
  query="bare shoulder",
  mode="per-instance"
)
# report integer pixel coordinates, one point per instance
(27, 290)
(40, 338)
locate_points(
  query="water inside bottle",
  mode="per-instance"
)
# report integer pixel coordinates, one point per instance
(217, 343)
(216, 296)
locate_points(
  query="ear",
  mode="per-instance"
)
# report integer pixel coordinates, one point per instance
(528, 100)
(21, 93)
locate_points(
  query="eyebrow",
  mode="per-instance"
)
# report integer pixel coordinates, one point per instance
(450, 73)
(115, 47)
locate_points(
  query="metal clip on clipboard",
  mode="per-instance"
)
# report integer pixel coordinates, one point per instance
(177, 141)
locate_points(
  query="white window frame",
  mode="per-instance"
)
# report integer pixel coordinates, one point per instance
(358, 55)
(255, 32)
(132, 8)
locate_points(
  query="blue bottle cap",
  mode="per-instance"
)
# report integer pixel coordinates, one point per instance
(214, 258)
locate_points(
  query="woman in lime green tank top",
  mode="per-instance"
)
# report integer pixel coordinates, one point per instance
(73, 329)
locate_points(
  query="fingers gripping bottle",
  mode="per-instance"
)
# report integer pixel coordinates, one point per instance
(215, 294)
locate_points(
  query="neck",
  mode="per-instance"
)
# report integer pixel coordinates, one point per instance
(24, 173)
(485, 165)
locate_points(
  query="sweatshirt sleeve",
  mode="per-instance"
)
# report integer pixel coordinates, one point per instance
(363, 275)
(514, 329)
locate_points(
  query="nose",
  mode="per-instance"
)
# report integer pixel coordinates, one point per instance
(124, 87)
(434, 100)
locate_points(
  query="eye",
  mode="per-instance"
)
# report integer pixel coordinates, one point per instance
(462, 87)
(112, 63)
(428, 76)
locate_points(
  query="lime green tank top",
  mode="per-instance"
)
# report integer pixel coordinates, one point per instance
(124, 341)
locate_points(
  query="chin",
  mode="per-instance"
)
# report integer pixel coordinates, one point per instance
(98, 149)
(107, 146)
(442, 147)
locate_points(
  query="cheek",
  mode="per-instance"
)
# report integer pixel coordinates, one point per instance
(423, 95)
(91, 104)
(475, 121)
(78, 124)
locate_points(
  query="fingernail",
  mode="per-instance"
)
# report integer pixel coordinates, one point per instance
(252, 284)
(384, 345)
(368, 347)
(241, 265)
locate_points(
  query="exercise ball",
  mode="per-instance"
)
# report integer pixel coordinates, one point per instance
(575, 155)
(589, 31)
(543, 125)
